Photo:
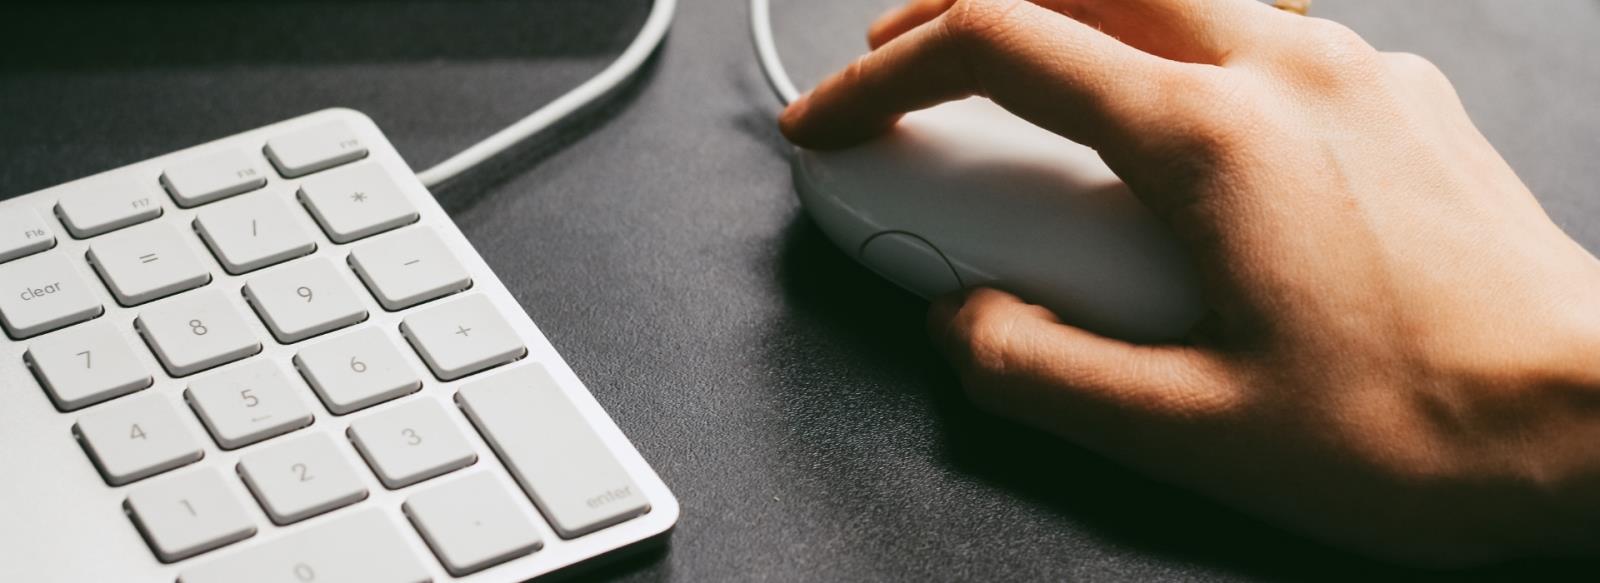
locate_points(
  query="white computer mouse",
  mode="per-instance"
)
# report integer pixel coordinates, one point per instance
(966, 194)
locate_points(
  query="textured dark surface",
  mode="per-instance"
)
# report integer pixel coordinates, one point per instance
(785, 394)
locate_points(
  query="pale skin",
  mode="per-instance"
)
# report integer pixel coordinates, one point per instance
(1403, 351)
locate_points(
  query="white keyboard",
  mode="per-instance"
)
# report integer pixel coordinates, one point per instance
(273, 357)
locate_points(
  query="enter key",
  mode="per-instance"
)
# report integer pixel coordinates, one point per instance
(548, 446)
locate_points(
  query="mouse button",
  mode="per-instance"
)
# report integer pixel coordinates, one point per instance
(910, 261)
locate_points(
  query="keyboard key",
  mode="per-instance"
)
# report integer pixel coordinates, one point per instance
(356, 202)
(305, 299)
(315, 148)
(551, 450)
(252, 232)
(411, 442)
(462, 337)
(212, 176)
(43, 293)
(106, 207)
(190, 513)
(147, 263)
(137, 437)
(473, 522)
(22, 233)
(196, 332)
(408, 268)
(356, 370)
(363, 546)
(301, 478)
(86, 365)
(248, 403)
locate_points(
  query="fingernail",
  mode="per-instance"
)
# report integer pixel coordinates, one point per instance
(791, 115)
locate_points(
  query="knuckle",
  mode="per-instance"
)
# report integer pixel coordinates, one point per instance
(977, 20)
(1332, 55)
(1415, 68)
(1213, 116)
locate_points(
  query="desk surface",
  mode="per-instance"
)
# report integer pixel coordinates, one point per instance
(786, 395)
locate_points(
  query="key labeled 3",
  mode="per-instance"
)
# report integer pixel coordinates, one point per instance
(411, 442)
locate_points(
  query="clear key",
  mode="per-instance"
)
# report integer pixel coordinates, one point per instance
(301, 478)
(22, 233)
(248, 403)
(147, 262)
(44, 292)
(86, 365)
(304, 299)
(137, 437)
(462, 336)
(212, 176)
(196, 332)
(356, 370)
(356, 202)
(188, 514)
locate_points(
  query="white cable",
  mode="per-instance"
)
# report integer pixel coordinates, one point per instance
(771, 66)
(632, 59)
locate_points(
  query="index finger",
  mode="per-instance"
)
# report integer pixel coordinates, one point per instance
(1045, 67)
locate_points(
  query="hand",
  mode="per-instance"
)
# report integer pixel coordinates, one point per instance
(1403, 352)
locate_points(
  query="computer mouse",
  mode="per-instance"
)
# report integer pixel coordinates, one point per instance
(966, 194)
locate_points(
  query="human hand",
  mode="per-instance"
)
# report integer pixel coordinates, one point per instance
(1401, 353)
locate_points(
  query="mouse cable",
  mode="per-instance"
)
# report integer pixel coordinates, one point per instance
(630, 62)
(767, 52)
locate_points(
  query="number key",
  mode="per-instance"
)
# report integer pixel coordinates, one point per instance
(301, 478)
(356, 370)
(304, 299)
(196, 332)
(136, 438)
(85, 365)
(248, 403)
(411, 442)
(188, 514)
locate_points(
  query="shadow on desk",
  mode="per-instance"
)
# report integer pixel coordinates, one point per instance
(884, 323)
(75, 36)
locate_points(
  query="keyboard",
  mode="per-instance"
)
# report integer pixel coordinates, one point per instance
(273, 357)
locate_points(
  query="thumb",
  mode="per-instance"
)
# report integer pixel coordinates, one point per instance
(1018, 360)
